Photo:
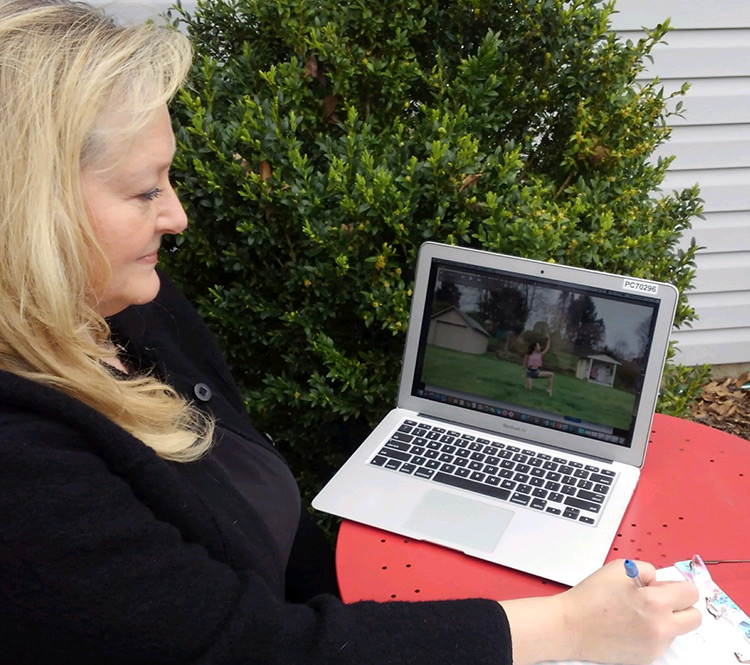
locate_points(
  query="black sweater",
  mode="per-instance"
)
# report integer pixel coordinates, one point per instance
(109, 554)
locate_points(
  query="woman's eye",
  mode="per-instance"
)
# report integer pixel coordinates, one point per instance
(151, 195)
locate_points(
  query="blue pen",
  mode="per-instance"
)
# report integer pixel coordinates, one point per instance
(631, 570)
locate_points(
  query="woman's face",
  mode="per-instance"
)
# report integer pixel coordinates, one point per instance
(131, 203)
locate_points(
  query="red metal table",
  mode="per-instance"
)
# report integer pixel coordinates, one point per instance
(693, 497)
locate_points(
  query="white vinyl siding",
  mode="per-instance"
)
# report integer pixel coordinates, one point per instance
(708, 47)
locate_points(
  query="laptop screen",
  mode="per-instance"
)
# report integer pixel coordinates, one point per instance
(535, 351)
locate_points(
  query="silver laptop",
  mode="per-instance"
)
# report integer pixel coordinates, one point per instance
(524, 410)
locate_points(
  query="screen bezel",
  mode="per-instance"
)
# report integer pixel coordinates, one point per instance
(664, 295)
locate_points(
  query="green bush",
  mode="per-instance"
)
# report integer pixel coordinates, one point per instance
(321, 142)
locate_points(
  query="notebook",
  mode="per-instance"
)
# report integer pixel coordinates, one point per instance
(523, 414)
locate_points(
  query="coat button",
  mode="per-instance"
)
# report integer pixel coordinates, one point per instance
(202, 392)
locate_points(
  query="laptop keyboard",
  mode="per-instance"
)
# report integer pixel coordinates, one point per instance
(537, 480)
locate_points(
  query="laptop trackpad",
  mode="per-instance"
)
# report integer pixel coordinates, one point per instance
(459, 520)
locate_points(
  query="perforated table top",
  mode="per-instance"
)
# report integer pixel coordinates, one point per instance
(693, 497)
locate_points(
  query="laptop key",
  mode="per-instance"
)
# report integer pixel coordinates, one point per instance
(396, 454)
(588, 506)
(600, 478)
(378, 460)
(392, 464)
(398, 445)
(538, 504)
(400, 436)
(586, 520)
(465, 483)
(520, 499)
(590, 496)
(424, 473)
(407, 468)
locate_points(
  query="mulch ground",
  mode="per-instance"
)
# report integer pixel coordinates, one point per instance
(725, 404)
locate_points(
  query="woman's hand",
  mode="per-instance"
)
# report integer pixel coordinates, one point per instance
(604, 619)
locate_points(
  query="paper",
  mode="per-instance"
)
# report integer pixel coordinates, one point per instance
(714, 643)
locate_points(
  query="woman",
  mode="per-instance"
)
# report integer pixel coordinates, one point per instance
(144, 519)
(532, 364)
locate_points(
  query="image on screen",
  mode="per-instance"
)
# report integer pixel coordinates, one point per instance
(533, 350)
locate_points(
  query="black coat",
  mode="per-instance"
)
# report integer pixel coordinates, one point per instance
(109, 554)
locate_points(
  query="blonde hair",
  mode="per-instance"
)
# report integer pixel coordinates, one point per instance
(62, 66)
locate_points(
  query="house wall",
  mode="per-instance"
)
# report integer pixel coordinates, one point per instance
(450, 331)
(709, 47)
